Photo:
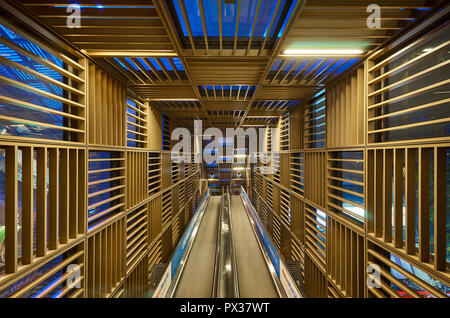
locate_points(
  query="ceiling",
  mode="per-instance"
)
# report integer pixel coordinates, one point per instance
(224, 61)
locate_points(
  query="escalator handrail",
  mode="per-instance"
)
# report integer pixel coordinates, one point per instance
(215, 285)
(233, 251)
(225, 276)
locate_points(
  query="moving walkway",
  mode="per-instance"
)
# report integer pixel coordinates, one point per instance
(226, 253)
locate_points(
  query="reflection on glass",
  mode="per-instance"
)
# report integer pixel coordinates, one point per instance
(419, 274)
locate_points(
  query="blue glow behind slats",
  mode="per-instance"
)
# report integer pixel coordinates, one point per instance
(229, 16)
(17, 127)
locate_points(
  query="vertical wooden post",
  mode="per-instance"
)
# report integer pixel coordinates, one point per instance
(53, 194)
(440, 212)
(27, 204)
(41, 202)
(11, 209)
(424, 204)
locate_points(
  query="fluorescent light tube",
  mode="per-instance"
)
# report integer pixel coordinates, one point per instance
(316, 52)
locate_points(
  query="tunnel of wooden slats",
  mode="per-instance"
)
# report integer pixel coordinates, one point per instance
(89, 185)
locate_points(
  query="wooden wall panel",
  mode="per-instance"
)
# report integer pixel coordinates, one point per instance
(345, 262)
(404, 182)
(397, 278)
(57, 211)
(154, 218)
(297, 218)
(69, 262)
(315, 122)
(316, 284)
(285, 131)
(106, 187)
(106, 259)
(154, 173)
(296, 129)
(82, 177)
(166, 166)
(374, 193)
(345, 185)
(137, 126)
(315, 178)
(405, 99)
(154, 258)
(107, 97)
(316, 235)
(154, 129)
(43, 90)
(137, 235)
(284, 170)
(137, 165)
(137, 280)
(345, 111)
(297, 172)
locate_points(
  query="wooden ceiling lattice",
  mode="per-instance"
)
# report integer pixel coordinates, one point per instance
(150, 70)
(227, 92)
(198, 58)
(230, 28)
(227, 71)
(307, 71)
(344, 23)
(274, 105)
(107, 26)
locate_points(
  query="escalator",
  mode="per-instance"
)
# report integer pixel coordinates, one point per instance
(225, 253)
(197, 278)
(255, 280)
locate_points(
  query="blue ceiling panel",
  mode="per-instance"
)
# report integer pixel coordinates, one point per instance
(249, 22)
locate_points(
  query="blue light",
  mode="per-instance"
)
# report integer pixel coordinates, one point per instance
(276, 65)
(33, 131)
(288, 66)
(319, 93)
(335, 66)
(131, 63)
(229, 16)
(117, 60)
(178, 64)
(346, 66)
(324, 66)
(287, 18)
(99, 6)
(144, 65)
(249, 24)
(313, 66)
(166, 63)
(180, 17)
(155, 64)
